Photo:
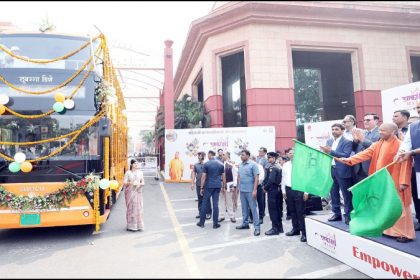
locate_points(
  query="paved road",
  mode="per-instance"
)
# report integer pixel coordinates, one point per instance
(171, 246)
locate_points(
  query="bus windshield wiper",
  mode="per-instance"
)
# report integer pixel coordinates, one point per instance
(68, 171)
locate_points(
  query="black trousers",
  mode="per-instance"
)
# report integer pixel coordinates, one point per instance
(275, 206)
(200, 201)
(414, 192)
(287, 205)
(297, 209)
(260, 203)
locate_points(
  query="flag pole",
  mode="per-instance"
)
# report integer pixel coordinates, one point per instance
(385, 167)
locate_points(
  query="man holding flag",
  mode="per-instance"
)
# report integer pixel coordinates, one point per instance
(339, 146)
(372, 208)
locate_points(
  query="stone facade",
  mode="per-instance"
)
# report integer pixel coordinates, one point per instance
(379, 36)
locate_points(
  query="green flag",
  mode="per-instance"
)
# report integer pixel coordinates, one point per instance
(377, 205)
(311, 171)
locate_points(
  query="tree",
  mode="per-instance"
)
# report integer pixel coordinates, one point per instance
(148, 138)
(190, 114)
(308, 98)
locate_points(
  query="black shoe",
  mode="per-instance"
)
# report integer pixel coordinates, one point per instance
(417, 227)
(208, 216)
(242, 227)
(233, 220)
(272, 232)
(403, 239)
(197, 217)
(335, 218)
(256, 232)
(280, 228)
(288, 218)
(221, 220)
(216, 226)
(346, 220)
(293, 232)
(303, 238)
(200, 225)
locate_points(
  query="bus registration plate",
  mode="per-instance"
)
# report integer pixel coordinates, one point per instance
(30, 219)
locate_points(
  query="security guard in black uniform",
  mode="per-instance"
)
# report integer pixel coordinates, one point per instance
(272, 186)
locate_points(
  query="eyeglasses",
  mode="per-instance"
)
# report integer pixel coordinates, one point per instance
(367, 120)
(346, 121)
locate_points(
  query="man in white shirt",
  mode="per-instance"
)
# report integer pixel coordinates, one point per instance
(349, 123)
(226, 198)
(296, 200)
(410, 148)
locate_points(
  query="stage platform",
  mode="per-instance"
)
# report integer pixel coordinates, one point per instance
(379, 257)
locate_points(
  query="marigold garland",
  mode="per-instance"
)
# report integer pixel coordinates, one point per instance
(56, 87)
(85, 126)
(54, 200)
(76, 134)
(46, 61)
(51, 111)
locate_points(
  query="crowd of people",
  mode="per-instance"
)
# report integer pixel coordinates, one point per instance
(357, 154)
(254, 181)
(268, 178)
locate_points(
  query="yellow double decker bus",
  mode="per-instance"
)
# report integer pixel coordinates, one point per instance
(63, 131)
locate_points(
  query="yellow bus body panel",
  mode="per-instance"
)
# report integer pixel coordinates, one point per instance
(74, 214)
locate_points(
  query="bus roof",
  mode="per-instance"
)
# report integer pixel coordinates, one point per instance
(49, 34)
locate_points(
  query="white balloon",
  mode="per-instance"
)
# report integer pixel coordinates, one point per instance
(20, 157)
(4, 99)
(68, 104)
(104, 183)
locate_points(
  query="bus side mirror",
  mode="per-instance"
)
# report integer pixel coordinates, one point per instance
(104, 127)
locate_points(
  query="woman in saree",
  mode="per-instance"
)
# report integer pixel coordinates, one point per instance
(134, 182)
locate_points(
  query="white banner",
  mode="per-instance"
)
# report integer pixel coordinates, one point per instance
(369, 257)
(317, 134)
(182, 146)
(400, 98)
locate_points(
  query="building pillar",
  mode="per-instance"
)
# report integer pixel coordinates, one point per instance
(273, 107)
(214, 107)
(169, 86)
(367, 101)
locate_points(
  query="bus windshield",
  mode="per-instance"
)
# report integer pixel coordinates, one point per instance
(44, 46)
(83, 155)
(13, 129)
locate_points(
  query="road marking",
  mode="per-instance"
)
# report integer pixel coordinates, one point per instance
(185, 209)
(183, 243)
(324, 272)
(252, 239)
(183, 199)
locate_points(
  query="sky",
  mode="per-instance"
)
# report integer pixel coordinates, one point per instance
(140, 26)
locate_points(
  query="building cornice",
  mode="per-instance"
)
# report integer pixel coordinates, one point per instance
(382, 15)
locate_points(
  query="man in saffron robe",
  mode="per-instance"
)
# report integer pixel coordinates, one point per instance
(381, 154)
(176, 168)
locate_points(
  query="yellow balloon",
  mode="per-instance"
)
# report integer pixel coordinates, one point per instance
(2, 109)
(113, 184)
(26, 166)
(59, 97)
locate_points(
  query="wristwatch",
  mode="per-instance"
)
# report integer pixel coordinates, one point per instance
(413, 152)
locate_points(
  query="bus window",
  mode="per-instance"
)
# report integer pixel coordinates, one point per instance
(44, 46)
